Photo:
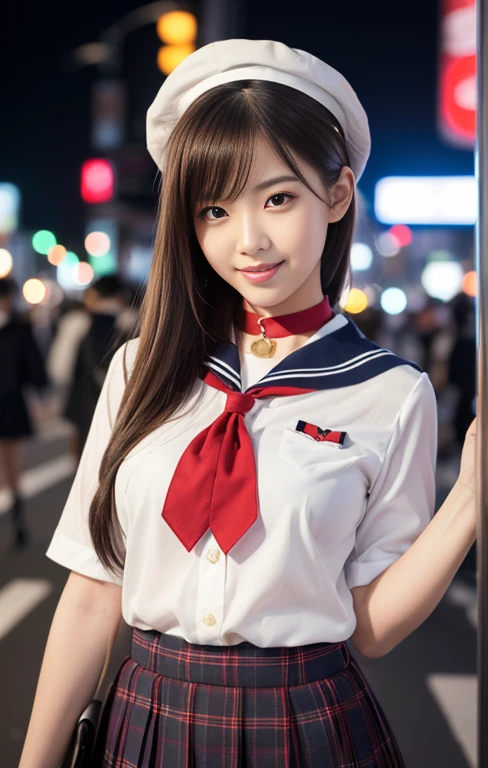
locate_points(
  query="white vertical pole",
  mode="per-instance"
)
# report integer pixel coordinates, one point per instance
(481, 170)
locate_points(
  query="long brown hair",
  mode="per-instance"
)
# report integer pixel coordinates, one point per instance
(188, 309)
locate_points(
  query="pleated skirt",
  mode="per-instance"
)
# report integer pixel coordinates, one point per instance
(175, 704)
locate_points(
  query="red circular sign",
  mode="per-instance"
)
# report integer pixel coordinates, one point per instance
(458, 116)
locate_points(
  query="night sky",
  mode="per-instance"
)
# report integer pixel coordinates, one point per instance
(387, 50)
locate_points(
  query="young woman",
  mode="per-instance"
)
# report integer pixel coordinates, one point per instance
(257, 486)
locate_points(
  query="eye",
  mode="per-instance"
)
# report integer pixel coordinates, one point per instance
(212, 208)
(279, 196)
(217, 211)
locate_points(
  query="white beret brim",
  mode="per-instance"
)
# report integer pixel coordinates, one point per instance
(227, 61)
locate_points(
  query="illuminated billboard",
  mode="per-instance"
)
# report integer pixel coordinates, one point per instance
(457, 72)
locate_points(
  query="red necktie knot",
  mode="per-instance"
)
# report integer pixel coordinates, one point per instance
(239, 402)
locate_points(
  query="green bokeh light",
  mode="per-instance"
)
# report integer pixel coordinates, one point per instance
(43, 241)
(71, 259)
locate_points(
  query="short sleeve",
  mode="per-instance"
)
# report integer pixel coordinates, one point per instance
(401, 502)
(71, 544)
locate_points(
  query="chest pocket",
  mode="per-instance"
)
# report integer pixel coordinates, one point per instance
(306, 453)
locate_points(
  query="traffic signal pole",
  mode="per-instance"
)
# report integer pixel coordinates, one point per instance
(219, 20)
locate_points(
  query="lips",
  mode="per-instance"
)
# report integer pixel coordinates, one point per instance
(262, 275)
(262, 268)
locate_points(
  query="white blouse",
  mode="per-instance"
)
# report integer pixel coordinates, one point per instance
(330, 518)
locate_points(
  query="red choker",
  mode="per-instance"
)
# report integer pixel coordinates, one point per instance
(283, 325)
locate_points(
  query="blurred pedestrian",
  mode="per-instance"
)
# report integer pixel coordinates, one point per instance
(462, 364)
(369, 322)
(22, 364)
(71, 327)
(104, 330)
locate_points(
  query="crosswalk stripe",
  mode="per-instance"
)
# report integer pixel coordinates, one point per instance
(38, 479)
(18, 598)
(466, 597)
(456, 696)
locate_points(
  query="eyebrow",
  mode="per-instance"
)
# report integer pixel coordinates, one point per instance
(269, 183)
(276, 180)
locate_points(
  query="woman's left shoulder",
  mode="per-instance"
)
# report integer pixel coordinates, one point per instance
(406, 383)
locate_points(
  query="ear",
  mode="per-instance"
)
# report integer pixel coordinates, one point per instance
(341, 195)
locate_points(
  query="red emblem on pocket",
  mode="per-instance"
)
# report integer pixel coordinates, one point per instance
(327, 435)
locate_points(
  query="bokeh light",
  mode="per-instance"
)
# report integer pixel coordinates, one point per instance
(388, 245)
(402, 234)
(97, 243)
(43, 241)
(470, 283)
(426, 200)
(356, 301)
(177, 27)
(65, 273)
(442, 279)
(34, 290)
(393, 301)
(6, 262)
(361, 257)
(83, 273)
(97, 181)
(56, 254)
(169, 56)
(71, 259)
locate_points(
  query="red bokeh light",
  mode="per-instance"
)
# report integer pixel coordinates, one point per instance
(402, 234)
(97, 181)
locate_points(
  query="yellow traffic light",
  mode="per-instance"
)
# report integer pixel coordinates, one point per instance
(169, 56)
(178, 29)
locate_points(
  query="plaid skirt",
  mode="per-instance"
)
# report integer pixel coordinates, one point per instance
(175, 704)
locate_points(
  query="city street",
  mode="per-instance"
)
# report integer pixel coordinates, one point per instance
(215, 171)
(427, 685)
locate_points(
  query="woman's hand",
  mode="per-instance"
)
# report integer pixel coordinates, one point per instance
(467, 468)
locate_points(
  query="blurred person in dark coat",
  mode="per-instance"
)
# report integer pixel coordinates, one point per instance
(462, 363)
(21, 364)
(108, 328)
(462, 374)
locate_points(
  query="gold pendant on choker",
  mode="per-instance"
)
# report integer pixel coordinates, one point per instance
(263, 347)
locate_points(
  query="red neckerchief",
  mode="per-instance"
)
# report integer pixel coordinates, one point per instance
(214, 483)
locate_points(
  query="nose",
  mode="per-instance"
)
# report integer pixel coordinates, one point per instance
(251, 236)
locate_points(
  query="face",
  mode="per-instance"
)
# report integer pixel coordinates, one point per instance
(274, 221)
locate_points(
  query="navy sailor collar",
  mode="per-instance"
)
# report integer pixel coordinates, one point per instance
(340, 358)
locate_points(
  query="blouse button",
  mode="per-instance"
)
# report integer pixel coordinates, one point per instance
(209, 619)
(213, 555)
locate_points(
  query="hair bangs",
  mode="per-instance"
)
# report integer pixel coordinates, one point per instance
(219, 158)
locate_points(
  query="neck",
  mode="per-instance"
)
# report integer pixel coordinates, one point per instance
(287, 307)
(290, 331)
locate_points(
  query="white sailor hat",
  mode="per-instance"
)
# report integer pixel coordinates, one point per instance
(226, 61)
